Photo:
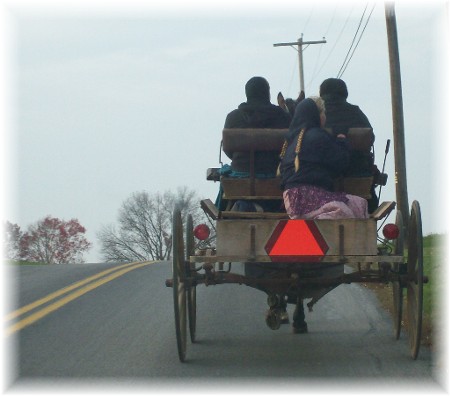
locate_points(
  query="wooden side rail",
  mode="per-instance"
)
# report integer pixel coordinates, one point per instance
(215, 214)
(254, 215)
(206, 204)
(383, 210)
(210, 209)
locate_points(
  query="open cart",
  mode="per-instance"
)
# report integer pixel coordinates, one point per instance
(302, 259)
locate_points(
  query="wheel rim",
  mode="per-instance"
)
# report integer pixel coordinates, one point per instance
(191, 289)
(179, 291)
(397, 288)
(415, 280)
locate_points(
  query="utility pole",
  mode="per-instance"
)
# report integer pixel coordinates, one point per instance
(401, 186)
(300, 43)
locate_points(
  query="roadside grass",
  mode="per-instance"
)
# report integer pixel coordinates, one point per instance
(434, 257)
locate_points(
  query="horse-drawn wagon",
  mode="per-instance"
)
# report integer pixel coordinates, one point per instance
(303, 259)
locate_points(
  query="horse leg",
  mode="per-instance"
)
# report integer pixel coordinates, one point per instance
(283, 309)
(277, 313)
(299, 326)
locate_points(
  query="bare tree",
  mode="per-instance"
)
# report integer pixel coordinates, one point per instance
(145, 225)
(11, 241)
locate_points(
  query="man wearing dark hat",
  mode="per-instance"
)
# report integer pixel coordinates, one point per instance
(256, 112)
(341, 115)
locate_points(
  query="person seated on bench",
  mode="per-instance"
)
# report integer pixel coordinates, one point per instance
(341, 116)
(256, 112)
(310, 159)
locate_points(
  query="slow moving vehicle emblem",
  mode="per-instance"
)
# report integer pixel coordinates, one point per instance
(296, 240)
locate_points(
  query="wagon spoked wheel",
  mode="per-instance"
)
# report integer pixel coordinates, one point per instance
(397, 288)
(414, 293)
(191, 288)
(179, 290)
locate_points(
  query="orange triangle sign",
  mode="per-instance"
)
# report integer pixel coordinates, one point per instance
(296, 240)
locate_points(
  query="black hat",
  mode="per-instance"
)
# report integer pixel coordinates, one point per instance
(334, 86)
(257, 88)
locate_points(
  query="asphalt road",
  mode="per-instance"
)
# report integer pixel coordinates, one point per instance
(122, 330)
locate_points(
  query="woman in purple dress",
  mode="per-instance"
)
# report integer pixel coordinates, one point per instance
(310, 160)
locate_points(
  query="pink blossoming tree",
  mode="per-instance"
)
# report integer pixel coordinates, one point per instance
(54, 241)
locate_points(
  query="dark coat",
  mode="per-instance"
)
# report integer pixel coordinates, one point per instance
(256, 114)
(342, 115)
(322, 157)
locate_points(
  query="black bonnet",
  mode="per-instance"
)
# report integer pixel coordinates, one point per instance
(306, 116)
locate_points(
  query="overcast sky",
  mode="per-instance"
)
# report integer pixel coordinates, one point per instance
(108, 98)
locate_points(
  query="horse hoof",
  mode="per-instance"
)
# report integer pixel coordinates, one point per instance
(273, 319)
(301, 329)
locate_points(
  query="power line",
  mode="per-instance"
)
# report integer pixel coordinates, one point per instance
(335, 43)
(294, 65)
(332, 20)
(345, 65)
(309, 18)
(315, 67)
(353, 41)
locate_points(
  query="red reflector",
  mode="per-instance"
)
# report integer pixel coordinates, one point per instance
(201, 232)
(391, 231)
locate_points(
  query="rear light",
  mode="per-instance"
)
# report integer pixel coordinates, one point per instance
(391, 231)
(201, 232)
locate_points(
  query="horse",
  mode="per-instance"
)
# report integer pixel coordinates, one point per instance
(289, 104)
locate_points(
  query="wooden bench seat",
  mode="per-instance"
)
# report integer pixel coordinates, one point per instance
(267, 139)
(360, 186)
(254, 140)
(360, 139)
(244, 188)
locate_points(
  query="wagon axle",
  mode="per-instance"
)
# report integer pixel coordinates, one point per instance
(212, 277)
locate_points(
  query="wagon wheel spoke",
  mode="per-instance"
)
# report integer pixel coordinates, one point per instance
(191, 287)
(179, 290)
(397, 288)
(415, 280)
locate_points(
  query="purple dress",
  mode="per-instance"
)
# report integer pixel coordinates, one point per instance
(312, 202)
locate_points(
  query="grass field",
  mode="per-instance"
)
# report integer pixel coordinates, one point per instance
(434, 260)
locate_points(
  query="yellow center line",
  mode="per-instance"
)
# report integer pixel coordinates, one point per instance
(63, 301)
(60, 292)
